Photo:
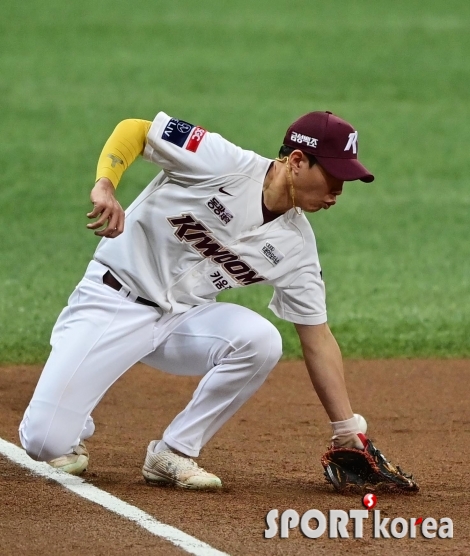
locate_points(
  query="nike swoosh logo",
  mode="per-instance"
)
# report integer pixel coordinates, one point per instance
(222, 190)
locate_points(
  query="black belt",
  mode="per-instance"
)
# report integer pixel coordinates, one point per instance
(112, 282)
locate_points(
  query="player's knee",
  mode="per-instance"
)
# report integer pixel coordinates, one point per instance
(274, 351)
(265, 344)
(40, 448)
(39, 443)
(33, 453)
(33, 443)
(26, 437)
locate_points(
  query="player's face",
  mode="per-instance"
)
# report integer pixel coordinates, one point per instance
(315, 188)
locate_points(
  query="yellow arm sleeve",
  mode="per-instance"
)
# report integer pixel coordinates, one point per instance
(124, 145)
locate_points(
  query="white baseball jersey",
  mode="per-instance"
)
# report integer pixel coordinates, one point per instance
(197, 229)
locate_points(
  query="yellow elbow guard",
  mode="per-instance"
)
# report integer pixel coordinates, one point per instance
(124, 145)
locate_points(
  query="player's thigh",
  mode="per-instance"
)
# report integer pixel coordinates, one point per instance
(96, 338)
(204, 339)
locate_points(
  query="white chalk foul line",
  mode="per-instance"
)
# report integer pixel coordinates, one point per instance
(79, 486)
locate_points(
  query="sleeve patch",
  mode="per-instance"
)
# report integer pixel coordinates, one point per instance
(177, 131)
(182, 133)
(195, 139)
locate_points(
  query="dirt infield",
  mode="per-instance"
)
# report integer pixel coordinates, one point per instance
(267, 456)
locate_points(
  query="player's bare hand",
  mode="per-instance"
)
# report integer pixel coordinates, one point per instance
(106, 209)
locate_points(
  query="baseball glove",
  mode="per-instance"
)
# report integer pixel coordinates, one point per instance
(349, 469)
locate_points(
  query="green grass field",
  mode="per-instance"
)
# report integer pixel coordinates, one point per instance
(395, 254)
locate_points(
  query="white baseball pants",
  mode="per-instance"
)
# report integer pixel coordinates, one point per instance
(101, 334)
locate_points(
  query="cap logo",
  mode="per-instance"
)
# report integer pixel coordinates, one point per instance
(352, 142)
(299, 138)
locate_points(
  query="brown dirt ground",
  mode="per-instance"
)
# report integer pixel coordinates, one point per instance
(267, 455)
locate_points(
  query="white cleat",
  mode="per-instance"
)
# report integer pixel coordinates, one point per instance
(75, 463)
(168, 468)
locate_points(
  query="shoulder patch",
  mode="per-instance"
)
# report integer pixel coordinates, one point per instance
(177, 131)
(195, 139)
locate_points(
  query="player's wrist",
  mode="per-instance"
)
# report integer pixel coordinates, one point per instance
(348, 426)
(105, 183)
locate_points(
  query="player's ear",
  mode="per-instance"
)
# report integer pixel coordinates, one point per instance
(295, 159)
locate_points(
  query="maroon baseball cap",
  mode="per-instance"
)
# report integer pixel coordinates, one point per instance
(332, 141)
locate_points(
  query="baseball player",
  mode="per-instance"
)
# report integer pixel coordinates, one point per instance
(216, 217)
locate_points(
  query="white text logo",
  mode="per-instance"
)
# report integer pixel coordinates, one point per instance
(352, 142)
(314, 523)
(299, 138)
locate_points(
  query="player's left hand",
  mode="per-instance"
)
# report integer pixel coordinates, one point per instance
(349, 469)
(107, 210)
